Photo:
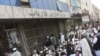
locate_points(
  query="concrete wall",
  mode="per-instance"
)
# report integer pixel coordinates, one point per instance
(86, 4)
(96, 13)
(19, 12)
(82, 4)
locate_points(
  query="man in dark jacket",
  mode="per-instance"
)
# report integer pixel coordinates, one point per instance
(48, 42)
(96, 42)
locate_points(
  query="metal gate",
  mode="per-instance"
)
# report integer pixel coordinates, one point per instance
(37, 31)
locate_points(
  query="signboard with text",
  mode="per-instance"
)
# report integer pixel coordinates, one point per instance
(20, 12)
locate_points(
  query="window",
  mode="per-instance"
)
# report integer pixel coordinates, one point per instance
(10, 2)
(15, 2)
(45, 3)
(54, 6)
(40, 4)
(62, 6)
(33, 3)
(5, 2)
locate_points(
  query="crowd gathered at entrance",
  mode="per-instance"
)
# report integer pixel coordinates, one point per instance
(80, 40)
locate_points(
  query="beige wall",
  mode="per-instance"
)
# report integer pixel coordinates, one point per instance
(88, 6)
(82, 5)
(96, 13)
(19, 12)
(99, 14)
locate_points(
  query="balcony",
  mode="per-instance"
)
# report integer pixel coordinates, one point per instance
(12, 12)
(80, 12)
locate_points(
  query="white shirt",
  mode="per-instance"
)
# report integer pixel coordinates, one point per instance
(85, 51)
(83, 32)
(75, 55)
(35, 55)
(95, 30)
(62, 39)
(72, 33)
(16, 53)
(48, 55)
(95, 40)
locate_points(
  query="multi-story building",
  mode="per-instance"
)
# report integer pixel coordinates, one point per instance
(81, 10)
(99, 15)
(96, 13)
(22, 24)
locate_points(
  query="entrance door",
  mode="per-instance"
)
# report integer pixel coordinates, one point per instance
(9, 39)
(13, 36)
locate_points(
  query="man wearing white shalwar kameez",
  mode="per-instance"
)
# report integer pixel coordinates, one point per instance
(62, 38)
(86, 51)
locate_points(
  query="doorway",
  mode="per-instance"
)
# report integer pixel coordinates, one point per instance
(9, 38)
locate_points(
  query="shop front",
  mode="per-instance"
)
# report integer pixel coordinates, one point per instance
(27, 35)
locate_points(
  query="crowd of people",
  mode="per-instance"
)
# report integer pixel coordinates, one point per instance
(83, 40)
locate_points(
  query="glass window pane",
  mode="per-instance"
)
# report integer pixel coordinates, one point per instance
(45, 3)
(33, 4)
(4, 2)
(65, 6)
(15, 2)
(10, 2)
(50, 2)
(62, 6)
(40, 4)
(54, 4)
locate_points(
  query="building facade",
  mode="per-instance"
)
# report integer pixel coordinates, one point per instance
(96, 13)
(22, 23)
(81, 10)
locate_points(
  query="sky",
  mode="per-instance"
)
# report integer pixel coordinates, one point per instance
(96, 3)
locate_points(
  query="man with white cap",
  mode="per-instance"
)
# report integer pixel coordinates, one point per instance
(16, 52)
(49, 53)
(35, 53)
(77, 52)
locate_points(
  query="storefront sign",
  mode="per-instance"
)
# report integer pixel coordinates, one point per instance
(85, 19)
(49, 14)
(20, 12)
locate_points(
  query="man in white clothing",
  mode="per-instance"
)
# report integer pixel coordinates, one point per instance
(16, 52)
(62, 38)
(35, 53)
(86, 50)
